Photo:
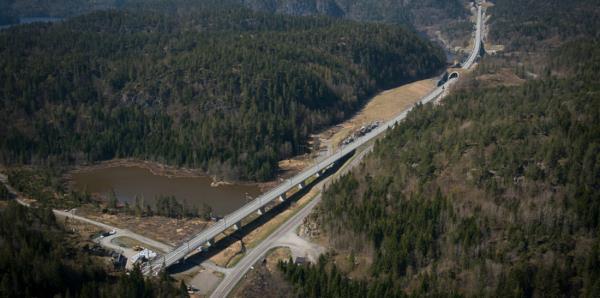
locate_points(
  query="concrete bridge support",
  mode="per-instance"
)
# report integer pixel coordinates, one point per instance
(260, 211)
(301, 185)
(210, 243)
(237, 226)
(282, 197)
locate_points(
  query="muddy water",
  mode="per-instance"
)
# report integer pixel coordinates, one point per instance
(129, 182)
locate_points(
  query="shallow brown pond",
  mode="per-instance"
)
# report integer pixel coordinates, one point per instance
(129, 182)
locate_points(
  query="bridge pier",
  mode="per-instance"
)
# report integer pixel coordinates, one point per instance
(237, 226)
(301, 185)
(210, 243)
(282, 197)
(260, 211)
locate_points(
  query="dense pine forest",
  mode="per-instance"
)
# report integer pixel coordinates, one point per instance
(219, 87)
(530, 25)
(494, 192)
(37, 259)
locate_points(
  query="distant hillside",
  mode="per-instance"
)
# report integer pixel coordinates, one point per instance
(533, 25)
(396, 11)
(219, 88)
(12, 10)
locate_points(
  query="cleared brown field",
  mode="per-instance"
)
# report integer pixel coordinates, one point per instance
(383, 107)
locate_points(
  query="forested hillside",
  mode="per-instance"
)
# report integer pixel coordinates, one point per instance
(405, 12)
(219, 88)
(532, 25)
(496, 192)
(419, 13)
(37, 259)
(12, 10)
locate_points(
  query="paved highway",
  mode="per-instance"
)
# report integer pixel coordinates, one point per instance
(477, 41)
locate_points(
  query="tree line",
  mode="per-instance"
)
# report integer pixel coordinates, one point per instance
(167, 206)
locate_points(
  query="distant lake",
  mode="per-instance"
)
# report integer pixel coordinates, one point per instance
(29, 20)
(129, 182)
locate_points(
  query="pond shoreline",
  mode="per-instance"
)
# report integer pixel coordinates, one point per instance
(130, 179)
(157, 169)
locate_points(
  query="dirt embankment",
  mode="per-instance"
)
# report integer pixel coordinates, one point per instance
(383, 107)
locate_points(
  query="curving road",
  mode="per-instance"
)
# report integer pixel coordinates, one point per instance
(477, 42)
(118, 232)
